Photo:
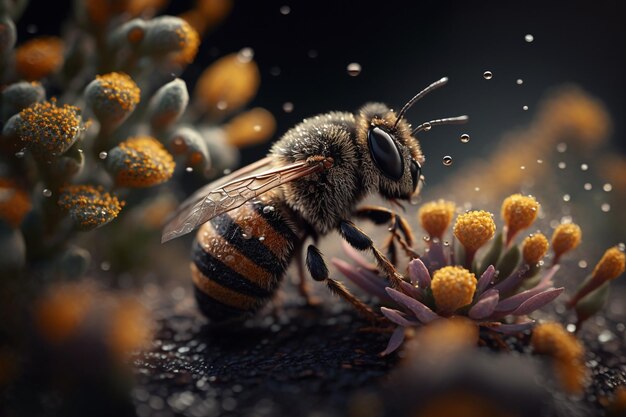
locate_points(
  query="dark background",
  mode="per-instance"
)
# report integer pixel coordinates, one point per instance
(402, 46)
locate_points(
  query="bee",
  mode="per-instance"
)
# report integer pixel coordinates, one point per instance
(253, 222)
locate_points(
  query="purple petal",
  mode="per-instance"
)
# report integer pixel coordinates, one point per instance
(410, 290)
(512, 281)
(485, 280)
(511, 303)
(418, 273)
(511, 328)
(369, 282)
(398, 317)
(357, 257)
(423, 313)
(538, 301)
(485, 305)
(436, 255)
(397, 337)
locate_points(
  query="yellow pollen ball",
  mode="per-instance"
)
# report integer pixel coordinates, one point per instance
(453, 287)
(534, 248)
(39, 57)
(565, 238)
(141, 162)
(435, 217)
(120, 88)
(49, 129)
(474, 229)
(519, 212)
(611, 265)
(189, 43)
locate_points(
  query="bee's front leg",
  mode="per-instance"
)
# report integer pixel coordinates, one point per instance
(399, 228)
(319, 271)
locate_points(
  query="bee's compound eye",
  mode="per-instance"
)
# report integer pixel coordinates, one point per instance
(416, 171)
(385, 153)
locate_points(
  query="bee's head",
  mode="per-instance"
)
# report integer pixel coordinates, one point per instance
(394, 166)
(395, 158)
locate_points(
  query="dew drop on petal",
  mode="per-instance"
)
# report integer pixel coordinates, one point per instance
(288, 107)
(519, 81)
(47, 193)
(487, 75)
(621, 246)
(447, 160)
(103, 155)
(529, 38)
(465, 138)
(354, 69)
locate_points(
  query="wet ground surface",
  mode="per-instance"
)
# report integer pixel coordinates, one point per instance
(302, 361)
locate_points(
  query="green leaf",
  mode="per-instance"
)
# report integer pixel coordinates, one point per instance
(507, 264)
(492, 256)
(592, 303)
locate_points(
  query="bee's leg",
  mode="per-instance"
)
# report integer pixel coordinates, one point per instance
(319, 271)
(359, 240)
(399, 227)
(303, 282)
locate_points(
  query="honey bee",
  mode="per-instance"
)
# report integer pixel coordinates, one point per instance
(253, 222)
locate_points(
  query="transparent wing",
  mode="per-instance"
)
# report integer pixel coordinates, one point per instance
(232, 192)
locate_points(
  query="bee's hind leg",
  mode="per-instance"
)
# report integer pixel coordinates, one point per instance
(319, 271)
(303, 282)
(399, 229)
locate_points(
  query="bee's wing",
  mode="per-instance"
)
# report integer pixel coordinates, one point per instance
(228, 194)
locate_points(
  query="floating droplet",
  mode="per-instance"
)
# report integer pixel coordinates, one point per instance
(275, 71)
(465, 138)
(447, 160)
(606, 207)
(20, 153)
(189, 169)
(47, 193)
(354, 69)
(426, 238)
(582, 264)
(261, 238)
(312, 53)
(566, 197)
(607, 187)
(540, 161)
(268, 209)
(587, 186)
(245, 55)
(288, 107)
(529, 38)
(426, 127)
(105, 266)
(525, 108)
(561, 147)
(562, 165)
(584, 167)
(103, 155)
(256, 128)
(285, 10)
(519, 81)
(487, 75)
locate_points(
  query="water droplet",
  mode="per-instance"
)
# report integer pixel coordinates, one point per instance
(47, 193)
(465, 138)
(447, 160)
(571, 327)
(189, 169)
(227, 171)
(562, 165)
(607, 187)
(354, 69)
(288, 107)
(268, 209)
(522, 167)
(606, 207)
(621, 246)
(519, 81)
(312, 53)
(222, 105)
(476, 188)
(426, 238)
(261, 238)
(426, 126)
(587, 186)
(446, 243)
(105, 265)
(20, 153)
(529, 38)
(256, 128)
(561, 147)
(525, 108)
(245, 55)
(103, 155)
(584, 167)
(487, 75)
(582, 264)
(566, 197)
(540, 161)
(285, 10)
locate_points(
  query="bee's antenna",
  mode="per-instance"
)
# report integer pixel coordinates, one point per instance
(419, 95)
(447, 121)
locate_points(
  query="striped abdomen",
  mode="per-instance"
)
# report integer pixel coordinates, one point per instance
(239, 258)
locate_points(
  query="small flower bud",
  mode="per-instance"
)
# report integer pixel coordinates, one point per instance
(20, 95)
(140, 162)
(168, 104)
(112, 97)
(88, 206)
(228, 84)
(453, 287)
(610, 266)
(39, 57)
(435, 217)
(171, 35)
(187, 141)
(518, 213)
(475, 228)
(249, 128)
(534, 248)
(565, 238)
